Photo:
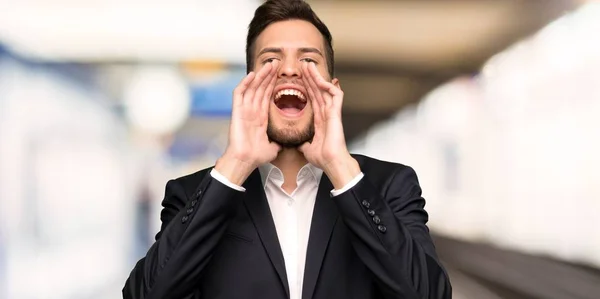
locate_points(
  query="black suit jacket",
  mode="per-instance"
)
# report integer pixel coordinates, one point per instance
(369, 242)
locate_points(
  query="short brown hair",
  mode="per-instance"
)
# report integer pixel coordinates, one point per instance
(282, 10)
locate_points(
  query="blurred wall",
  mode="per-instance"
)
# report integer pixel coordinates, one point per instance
(65, 186)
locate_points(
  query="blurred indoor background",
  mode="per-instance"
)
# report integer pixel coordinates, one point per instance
(494, 103)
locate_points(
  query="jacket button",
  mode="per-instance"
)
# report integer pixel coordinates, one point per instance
(190, 210)
(382, 228)
(376, 219)
(194, 202)
(371, 213)
(184, 219)
(366, 204)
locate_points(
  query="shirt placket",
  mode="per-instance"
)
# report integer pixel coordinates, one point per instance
(291, 244)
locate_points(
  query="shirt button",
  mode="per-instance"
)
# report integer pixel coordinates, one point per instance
(194, 202)
(371, 212)
(376, 219)
(382, 228)
(184, 219)
(366, 204)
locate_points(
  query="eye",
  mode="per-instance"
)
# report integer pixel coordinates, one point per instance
(308, 59)
(269, 60)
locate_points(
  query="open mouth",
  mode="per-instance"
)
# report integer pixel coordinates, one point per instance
(290, 101)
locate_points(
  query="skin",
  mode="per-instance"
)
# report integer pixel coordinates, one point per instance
(288, 52)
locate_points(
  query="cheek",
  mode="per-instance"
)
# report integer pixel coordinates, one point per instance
(323, 70)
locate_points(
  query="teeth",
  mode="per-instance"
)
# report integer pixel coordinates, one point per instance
(290, 92)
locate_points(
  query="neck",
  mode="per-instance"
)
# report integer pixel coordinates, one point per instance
(290, 161)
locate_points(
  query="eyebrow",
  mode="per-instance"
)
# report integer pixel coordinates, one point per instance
(280, 50)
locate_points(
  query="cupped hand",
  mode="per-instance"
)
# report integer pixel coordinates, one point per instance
(326, 99)
(248, 145)
(327, 150)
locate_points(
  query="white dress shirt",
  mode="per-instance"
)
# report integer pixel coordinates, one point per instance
(292, 214)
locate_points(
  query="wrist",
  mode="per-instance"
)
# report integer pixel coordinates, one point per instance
(342, 171)
(235, 170)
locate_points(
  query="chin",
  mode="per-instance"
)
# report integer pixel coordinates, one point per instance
(290, 134)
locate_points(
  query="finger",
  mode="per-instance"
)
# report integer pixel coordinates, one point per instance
(266, 101)
(304, 147)
(316, 106)
(321, 82)
(333, 95)
(260, 77)
(318, 94)
(316, 109)
(238, 92)
(275, 147)
(311, 87)
(262, 89)
(321, 104)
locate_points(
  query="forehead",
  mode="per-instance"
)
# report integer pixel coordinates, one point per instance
(290, 34)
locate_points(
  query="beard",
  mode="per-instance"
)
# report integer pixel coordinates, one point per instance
(289, 137)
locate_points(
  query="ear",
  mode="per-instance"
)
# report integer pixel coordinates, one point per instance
(336, 82)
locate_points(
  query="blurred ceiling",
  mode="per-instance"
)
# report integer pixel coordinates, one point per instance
(391, 53)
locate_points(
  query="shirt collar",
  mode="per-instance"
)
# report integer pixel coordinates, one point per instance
(270, 171)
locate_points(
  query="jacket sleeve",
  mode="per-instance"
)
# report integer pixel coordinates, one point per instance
(190, 231)
(389, 233)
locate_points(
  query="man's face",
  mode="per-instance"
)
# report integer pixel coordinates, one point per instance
(291, 43)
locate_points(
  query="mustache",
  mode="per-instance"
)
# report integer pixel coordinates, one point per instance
(289, 81)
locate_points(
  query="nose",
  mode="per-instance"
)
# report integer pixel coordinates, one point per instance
(289, 68)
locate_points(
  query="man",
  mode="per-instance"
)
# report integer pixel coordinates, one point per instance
(287, 212)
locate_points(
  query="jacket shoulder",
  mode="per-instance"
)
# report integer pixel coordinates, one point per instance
(369, 164)
(381, 172)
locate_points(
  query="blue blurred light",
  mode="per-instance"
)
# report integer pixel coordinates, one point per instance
(214, 99)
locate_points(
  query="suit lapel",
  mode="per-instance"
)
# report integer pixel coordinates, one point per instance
(258, 207)
(324, 218)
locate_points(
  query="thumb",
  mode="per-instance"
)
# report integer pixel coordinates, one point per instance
(275, 148)
(304, 147)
